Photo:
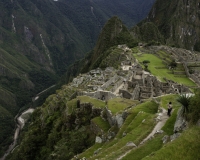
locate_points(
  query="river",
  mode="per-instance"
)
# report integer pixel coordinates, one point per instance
(20, 122)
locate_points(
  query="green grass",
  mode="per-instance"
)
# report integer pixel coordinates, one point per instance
(185, 147)
(148, 107)
(170, 98)
(136, 135)
(151, 146)
(113, 59)
(90, 151)
(137, 120)
(96, 102)
(71, 105)
(168, 128)
(119, 104)
(146, 149)
(104, 125)
(162, 73)
(84, 99)
(135, 130)
(128, 120)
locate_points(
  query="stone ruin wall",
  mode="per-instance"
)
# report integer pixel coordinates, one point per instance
(136, 92)
(102, 95)
(111, 80)
(193, 77)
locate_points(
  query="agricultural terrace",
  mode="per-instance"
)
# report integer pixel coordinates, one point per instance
(160, 70)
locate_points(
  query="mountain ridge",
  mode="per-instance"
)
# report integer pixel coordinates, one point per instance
(177, 21)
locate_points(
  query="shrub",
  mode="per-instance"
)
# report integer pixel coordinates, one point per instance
(194, 107)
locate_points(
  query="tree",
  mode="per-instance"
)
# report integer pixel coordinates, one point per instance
(173, 64)
(145, 63)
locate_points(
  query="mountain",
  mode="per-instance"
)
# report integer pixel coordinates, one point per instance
(111, 102)
(121, 90)
(113, 33)
(118, 110)
(177, 21)
(40, 39)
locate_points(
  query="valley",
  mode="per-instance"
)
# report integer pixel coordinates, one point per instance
(123, 105)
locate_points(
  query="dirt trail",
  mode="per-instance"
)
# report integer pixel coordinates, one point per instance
(163, 117)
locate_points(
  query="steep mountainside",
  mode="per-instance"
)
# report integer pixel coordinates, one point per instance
(113, 33)
(178, 21)
(40, 39)
(110, 113)
(100, 115)
(113, 108)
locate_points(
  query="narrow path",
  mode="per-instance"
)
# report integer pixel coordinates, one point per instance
(162, 120)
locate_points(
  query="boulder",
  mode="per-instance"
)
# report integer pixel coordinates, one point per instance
(110, 135)
(165, 139)
(180, 123)
(98, 139)
(174, 136)
(119, 120)
(159, 131)
(131, 144)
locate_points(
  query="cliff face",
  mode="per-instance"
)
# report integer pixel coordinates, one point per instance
(178, 21)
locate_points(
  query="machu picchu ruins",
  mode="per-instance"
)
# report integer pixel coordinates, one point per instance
(130, 81)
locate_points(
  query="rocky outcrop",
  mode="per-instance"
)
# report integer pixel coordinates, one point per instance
(115, 120)
(180, 123)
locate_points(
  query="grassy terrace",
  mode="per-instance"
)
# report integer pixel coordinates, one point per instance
(158, 69)
(119, 104)
(96, 102)
(135, 129)
(184, 147)
(85, 99)
(104, 125)
(155, 144)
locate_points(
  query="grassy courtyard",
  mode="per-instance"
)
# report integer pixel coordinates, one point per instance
(160, 70)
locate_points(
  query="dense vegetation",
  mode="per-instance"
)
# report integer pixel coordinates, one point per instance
(58, 135)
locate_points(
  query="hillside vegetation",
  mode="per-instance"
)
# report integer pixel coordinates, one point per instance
(41, 39)
(67, 127)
